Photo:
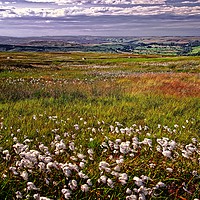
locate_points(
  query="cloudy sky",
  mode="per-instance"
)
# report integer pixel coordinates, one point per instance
(100, 17)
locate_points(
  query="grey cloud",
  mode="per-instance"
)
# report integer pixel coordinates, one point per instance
(104, 25)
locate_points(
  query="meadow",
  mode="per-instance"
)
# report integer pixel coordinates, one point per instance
(99, 126)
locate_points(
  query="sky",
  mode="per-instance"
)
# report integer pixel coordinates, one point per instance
(23, 18)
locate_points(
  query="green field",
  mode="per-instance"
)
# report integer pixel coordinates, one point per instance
(195, 50)
(99, 126)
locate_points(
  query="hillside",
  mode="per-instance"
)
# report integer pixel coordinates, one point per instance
(136, 45)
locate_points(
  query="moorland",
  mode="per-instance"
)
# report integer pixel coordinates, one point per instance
(78, 125)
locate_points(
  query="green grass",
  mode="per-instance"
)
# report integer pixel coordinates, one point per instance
(195, 50)
(89, 104)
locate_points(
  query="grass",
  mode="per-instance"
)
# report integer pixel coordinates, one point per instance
(195, 50)
(65, 119)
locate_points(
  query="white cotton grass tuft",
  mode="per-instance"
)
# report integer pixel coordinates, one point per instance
(167, 153)
(31, 186)
(168, 169)
(66, 193)
(18, 195)
(128, 191)
(24, 175)
(123, 177)
(89, 182)
(73, 184)
(138, 181)
(131, 197)
(84, 188)
(110, 183)
(102, 179)
(116, 155)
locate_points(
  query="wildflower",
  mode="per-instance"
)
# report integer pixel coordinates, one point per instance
(176, 125)
(38, 197)
(118, 141)
(141, 196)
(186, 154)
(4, 176)
(169, 170)
(131, 197)
(13, 169)
(128, 191)
(117, 168)
(111, 144)
(90, 152)
(43, 148)
(47, 159)
(145, 178)
(167, 153)
(102, 179)
(81, 164)
(194, 140)
(82, 175)
(114, 173)
(51, 165)
(15, 139)
(73, 158)
(47, 181)
(31, 186)
(73, 184)
(110, 183)
(124, 147)
(93, 130)
(81, 156)
(89, 182)
(73, 167)
(104, 166)
(84, 188)
(194, 173)
(143, 190)
(24, 175)
(190, 148)
(119, 161)
(158, 148)
(123, 178)
(172, 144)
(7, 154)
(76, 126)
(160, 185)
(66, 171)
(18, 195)
(66, 193)
(71, 146)
(41, 166)
(147, 141)
(138, 181)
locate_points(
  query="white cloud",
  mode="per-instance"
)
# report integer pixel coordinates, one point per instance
(8, 11)
(99, 2)
(190, 2)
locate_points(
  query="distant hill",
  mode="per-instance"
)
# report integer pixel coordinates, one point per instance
(139, 45)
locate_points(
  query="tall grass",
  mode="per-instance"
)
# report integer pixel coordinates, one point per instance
(92, 132)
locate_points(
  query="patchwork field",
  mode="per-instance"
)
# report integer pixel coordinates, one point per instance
(99, 126)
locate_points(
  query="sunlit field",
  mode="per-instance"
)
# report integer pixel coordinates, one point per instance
(99, 126)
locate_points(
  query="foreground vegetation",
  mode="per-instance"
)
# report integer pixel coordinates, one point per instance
(99, 126)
